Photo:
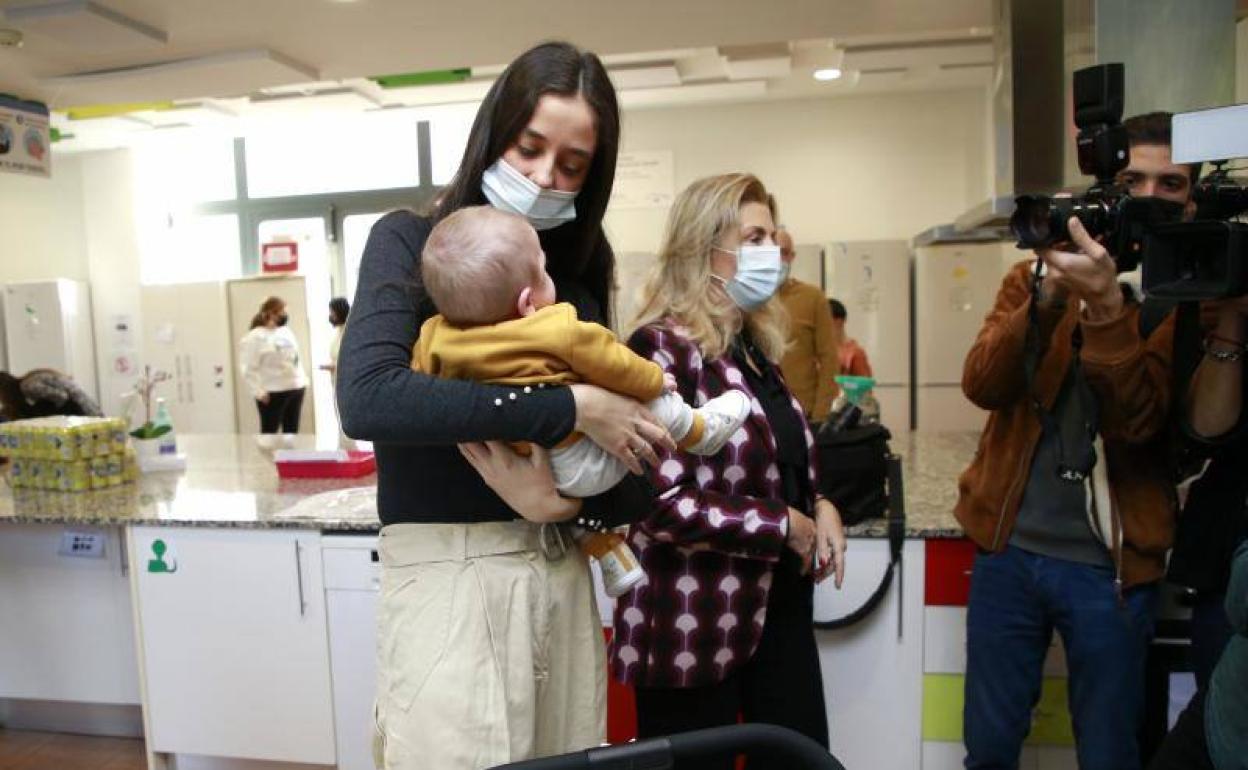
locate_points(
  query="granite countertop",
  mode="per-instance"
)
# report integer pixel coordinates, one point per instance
(231, 482)
(931, 464)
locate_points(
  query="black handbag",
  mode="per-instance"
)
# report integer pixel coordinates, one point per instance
(853, 469)
(862, 478)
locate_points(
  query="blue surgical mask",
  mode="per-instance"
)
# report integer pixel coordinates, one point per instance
(760, 271)
(509, 190)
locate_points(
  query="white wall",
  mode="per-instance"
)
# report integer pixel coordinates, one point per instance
(856, 168)
(41, 226)
(112, 257)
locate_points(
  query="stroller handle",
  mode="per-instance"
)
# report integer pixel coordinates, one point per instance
(663, 753)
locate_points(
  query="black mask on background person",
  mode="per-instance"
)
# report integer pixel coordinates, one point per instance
(283, 319)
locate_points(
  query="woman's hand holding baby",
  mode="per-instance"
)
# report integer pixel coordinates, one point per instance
(619, 425)
(526, 484)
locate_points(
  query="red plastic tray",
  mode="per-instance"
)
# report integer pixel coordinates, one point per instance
(359, 464)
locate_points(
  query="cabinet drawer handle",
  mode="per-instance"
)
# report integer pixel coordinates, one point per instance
(299, 578)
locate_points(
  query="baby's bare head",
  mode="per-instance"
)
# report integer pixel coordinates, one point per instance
(476, 263)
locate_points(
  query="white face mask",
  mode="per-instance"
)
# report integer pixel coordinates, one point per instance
(509, 190)
(760, 271)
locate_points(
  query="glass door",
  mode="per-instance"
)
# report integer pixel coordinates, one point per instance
(355, 229)
(309, 312)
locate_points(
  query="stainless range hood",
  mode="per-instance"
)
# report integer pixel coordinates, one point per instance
(1179, 56)
(1027, 105)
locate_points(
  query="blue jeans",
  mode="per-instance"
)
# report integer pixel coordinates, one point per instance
(1017, 599)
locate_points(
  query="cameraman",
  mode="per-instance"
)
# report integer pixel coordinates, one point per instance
(1212, 732)
(1078, 400)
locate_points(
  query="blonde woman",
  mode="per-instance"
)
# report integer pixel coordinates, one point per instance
(722, 624)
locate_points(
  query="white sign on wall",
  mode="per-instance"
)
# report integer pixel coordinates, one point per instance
(643, 180)
(25, 147)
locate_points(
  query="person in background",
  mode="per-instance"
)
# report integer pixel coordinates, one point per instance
(339, 309)
(1212, 732)
(853, 358)
(44, 393)
(1208, 529)
(810, 360)
(490, 646)
(1069, 496)
(721, 625)
(268, 357)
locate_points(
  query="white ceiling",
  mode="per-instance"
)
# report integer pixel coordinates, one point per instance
(231, 63)
(341, 40)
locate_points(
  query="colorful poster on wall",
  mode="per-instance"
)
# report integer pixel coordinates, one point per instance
(25, 146)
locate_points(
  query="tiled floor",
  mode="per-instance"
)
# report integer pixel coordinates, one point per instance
(55, 751)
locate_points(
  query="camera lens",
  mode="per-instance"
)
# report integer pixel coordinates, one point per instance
(1037, 222)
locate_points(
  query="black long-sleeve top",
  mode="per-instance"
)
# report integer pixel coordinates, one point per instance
(415, 420)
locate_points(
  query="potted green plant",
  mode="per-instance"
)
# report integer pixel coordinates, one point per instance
(147, 436)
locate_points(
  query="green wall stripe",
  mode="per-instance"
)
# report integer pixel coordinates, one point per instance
(942, 711)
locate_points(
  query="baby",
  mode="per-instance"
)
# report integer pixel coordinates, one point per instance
(499, 323)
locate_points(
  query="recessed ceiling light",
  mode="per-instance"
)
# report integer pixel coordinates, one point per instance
(828, 73)
(10, 38)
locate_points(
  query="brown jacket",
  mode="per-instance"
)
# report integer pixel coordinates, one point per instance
(1132, 379)
(810, 364)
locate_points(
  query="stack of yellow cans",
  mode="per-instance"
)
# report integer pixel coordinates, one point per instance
(68, 454)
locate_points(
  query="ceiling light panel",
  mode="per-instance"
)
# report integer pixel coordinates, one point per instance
(644, 76)
(449, 93)
(333, 100)
(885, 57)
(697, 94)
(205, 113)
(86, 25)
(751, 62)
(703, 67)
(229, 72)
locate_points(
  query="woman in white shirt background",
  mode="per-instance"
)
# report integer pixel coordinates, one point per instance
(269, 358)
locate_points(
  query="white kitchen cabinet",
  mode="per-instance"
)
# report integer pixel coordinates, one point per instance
(235, 654)
(352, 581)
(872, 677)
(65, 630)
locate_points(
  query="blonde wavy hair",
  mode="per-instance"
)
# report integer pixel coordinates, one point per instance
(680, 287)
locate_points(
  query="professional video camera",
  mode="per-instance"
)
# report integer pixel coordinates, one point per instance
(1105, 210)
(1202, 259)
(1206, 258)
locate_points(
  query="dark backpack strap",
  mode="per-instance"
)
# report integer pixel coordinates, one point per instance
(896, 541)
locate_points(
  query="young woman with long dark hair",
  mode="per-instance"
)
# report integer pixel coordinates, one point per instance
(490, 645)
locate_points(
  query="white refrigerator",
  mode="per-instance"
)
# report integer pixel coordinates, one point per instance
(872, 280)
(47, 325)
(955, 286)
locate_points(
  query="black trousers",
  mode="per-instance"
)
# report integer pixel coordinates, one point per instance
(1186, 747)
(281, 414)
(782, 684)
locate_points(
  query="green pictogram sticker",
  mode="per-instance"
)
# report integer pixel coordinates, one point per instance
(158, 564)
